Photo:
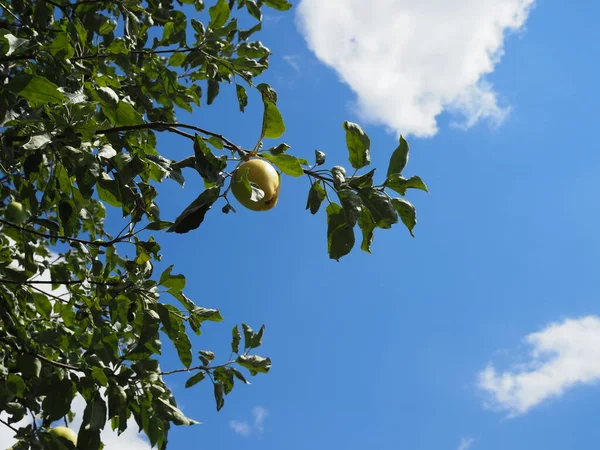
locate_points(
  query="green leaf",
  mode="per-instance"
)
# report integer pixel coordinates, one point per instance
(123, 114)
(399, 158)
(288, 164)
(278, 150)
(352, 205)
(183, 345)
(14, 43)
(219, 391)
(29, 365)
(251, 190)
(236, 338)
(407, 213)
(280, 5)
(254, 363)
(68, 218)
(99, 375)
(380, 206)
(37, 90)
(158, 225)
(213, 91)
(358, 144)
(57, 402)
(170, 281)
(316, 195)
(273, 126)
(60, 47)
(242, 97)
(206, 163)
(219, 14)
(248, 333)
(340, 235)
(195, 379)
(367, 225)
(173, 413)
(193, 215)
(319, 158)
(362, 181)
(202, 314)
(400, 184)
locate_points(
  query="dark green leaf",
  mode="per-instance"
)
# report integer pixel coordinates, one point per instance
(399, 158)
(407, 213)
(236, 337)
(219, 391)
(254, 363)
(242, 97)
(281, 148)
(193, 215)
(319, 158)
(365, 180)
(367, 225)
(358, 144)
(36, 89)
(352, 205)
(316, 195)
(400, 184)
(213, 91)
(380, 206)
(194, 379)
(340, 235)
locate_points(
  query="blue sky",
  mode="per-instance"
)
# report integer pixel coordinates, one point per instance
(389, 350)
(483, 332)
(423, 344)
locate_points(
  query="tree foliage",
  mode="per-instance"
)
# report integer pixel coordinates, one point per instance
(85, 88)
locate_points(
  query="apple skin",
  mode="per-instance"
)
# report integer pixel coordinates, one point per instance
(15, 213)
(66, 433)
(265, 176)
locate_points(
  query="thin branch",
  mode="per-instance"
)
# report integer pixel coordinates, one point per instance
(59, 364)
(317, 175)
(203, 368)
(64, 282)
(65, 238)
(9, 425)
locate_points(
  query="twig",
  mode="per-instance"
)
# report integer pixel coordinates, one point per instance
(9, 426)
(65, 282)
(65, 238)
(203, 368)
(59, 364)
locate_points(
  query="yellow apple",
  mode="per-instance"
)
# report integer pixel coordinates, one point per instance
(15, 213)
(264, 175)
(66, 433)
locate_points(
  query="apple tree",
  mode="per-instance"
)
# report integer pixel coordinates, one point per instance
(85, 87)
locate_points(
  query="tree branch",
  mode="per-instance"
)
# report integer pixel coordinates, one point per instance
(9, 425)
(65, 282)
(59, 364)
(317, 176)
(203, 368)
(66, 238)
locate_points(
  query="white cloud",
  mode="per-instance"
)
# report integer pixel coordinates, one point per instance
(466, 443)
(244, 428)
(563, 355)
(408, 61)
(292, 60)
(259, 413)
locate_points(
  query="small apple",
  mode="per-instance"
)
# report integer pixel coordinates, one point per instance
(65, 433)
(264, 175)
(15, 213)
